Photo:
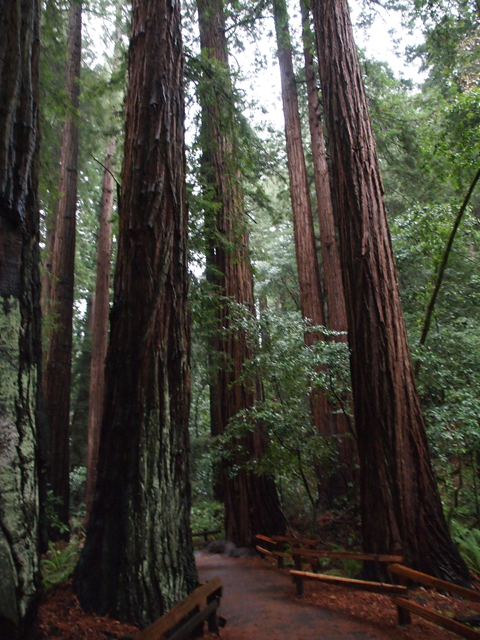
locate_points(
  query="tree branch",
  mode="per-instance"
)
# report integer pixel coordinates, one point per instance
(441, 271)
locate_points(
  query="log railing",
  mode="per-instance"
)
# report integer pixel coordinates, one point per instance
(403, 575)
(405, 607)
(186, 617)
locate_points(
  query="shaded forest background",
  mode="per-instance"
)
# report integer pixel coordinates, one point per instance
(280, 367)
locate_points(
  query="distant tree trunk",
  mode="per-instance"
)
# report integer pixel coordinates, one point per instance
(58, 373)
(332, 271)
(400, 503)
(251, 502)
(100, 327)
(138, 556)
(307, 262)
(20, 340)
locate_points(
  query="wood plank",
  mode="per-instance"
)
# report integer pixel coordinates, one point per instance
(430, 581)
(351, 583)
(279, 554)
(438, 618)
(265, 539)
(156, 630)
(345, 555)
(195, 621)
(206, 533)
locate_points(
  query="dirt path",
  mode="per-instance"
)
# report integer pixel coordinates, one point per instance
(259, 603)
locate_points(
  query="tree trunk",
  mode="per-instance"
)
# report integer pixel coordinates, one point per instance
(99, 328)
(400, 503)
(332, 271)
(251, 502)
(20, 341)
(58, 373)
(138, 556)
(307, 262)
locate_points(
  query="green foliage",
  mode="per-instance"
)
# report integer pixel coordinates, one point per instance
(290, 370)
(52, 505)
(206, 516)
(468, 541)
(60, 560)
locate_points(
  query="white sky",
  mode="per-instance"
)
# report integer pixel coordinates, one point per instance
(379, 43)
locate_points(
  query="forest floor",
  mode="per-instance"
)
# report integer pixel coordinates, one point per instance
(259, 603)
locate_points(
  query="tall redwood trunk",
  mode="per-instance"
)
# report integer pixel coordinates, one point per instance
(20, 340)
(138, 560)
(59, 358)
(400, 503)
(332, 271)
(99, 327)
(311, 299)
(251, 502)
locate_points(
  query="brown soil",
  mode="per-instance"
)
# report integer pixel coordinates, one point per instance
(61, 618)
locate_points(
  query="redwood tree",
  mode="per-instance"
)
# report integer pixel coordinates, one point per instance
(138, 556)
(311, 298)
(20, 343)
(58, 375)
(99, 327)
(332, 272)
(400, 503)
(251, 502)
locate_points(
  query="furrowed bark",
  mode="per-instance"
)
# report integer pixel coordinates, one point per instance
(251, 502)
(400, 503)
(99, 328)
(332, 270)
(21, 477)
(138, 556)
(58, 374)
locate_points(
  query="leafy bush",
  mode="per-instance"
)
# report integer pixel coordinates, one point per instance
(60, 560)
(206, 516)
(468, 541)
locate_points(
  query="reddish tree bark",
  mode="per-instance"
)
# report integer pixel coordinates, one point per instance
(138, 560)
(58, 375)
(400, 503)
(251, 502)
(332, 482)
(332, 271)
(99, 327)
(20, 318)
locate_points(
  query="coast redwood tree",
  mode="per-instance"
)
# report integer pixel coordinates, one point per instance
(332, 273)
(99, 327)
(333, 482)
(20, 343)
(400, 503)
(138, 556)
(58, 370)
(251, 502)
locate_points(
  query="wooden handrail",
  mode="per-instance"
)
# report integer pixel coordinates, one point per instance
(345, 555)
(437, 618)
(159, 628)
(363, 585)
(206, 533)
(430, 581)
(259, 536)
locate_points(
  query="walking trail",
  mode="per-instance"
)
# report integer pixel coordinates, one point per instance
(259, 603)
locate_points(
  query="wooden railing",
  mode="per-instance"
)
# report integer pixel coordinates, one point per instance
(186, 617)
(405, 607)
(403, 575)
